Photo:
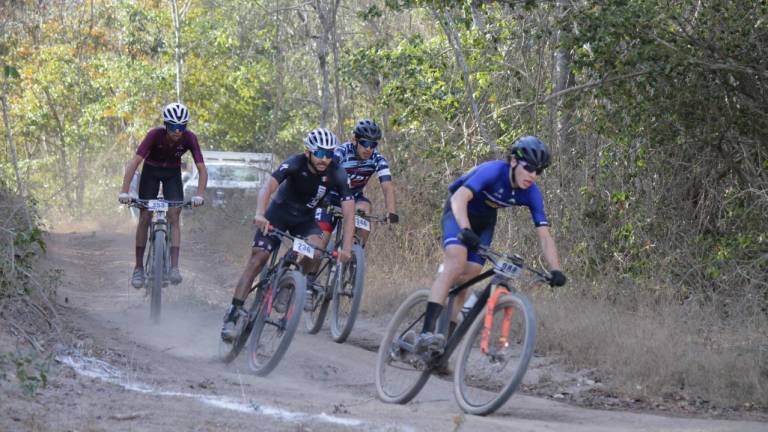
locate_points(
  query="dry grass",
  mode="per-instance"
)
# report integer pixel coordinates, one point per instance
(661, 350)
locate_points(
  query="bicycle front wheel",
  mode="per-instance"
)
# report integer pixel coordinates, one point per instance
(494, 358)
(400, 375)
(273, 330)
(347, 294)
(157, 272)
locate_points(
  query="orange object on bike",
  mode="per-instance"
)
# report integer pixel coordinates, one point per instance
(505, 325)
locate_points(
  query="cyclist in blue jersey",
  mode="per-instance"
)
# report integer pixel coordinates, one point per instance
(469, 219)
(361, 161)
(288, 201)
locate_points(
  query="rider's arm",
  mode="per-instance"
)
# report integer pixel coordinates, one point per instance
(389, 196)
(459, 201)
(548, 248)
(265, 194)
(348, 210)
(129, 170)
(202, 180)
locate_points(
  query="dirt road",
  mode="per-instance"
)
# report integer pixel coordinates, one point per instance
(124, 373)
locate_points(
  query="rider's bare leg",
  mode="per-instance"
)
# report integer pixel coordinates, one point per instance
(318, 242)
(252, 268)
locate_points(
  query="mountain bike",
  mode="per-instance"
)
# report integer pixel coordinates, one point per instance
(275, 311)
(500, 332)
(337, 285)
(158, 262)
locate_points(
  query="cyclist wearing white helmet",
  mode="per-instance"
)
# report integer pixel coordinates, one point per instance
(298, 185)
(161, 152)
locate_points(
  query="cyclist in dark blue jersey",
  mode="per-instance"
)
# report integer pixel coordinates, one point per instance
(361, 161)
(288, 201)
(469, 219)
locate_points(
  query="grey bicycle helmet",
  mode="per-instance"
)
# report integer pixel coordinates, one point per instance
(531, 150)
(367, 130)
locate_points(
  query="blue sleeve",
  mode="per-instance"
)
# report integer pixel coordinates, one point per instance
(536, 206)
(483, 176)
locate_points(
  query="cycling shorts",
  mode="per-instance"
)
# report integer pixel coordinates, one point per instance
(483, 226)
(152, 177)
(285, 219)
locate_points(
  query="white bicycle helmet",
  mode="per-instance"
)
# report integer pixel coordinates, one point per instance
(321, 138)
(175, 113)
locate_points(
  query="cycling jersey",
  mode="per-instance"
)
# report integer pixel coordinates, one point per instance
(301, 190)
(491, 189)
(159, 150)
(359, 170)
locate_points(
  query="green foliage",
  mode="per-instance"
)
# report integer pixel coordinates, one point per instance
(29, 369)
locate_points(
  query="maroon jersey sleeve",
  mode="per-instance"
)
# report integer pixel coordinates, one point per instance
(194, 148)
(153, 136)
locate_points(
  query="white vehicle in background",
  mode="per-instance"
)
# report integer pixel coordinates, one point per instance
(232, 176)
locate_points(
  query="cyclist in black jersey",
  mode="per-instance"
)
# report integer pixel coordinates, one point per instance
(301, 183)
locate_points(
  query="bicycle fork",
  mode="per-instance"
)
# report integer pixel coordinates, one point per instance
(488, 322)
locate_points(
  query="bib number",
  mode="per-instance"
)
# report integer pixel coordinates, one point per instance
(303, 248)
(362, 223)
(157, 205)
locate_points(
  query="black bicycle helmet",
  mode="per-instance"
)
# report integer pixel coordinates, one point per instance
(367, 130)
(531, 150)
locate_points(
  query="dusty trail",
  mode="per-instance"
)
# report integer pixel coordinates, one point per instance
(165, 377)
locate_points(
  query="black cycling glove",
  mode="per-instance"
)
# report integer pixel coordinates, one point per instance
(469, 238)
(393, 218)
(557, 279)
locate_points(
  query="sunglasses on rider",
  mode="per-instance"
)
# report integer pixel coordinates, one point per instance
(323, 153)
(530, 168)
(368, 144)
(170, 127)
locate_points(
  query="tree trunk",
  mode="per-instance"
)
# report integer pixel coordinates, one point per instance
(62, 149)
(446, 21)
(336, 78)
(178, 18)
(20, 189)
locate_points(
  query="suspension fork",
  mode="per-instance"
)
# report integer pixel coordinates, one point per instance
(498, 291)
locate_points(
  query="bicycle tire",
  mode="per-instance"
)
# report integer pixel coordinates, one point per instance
(158, 272)
(262, 360)
(482, 382)
(347, 292)
(313, 320)
(389, 360)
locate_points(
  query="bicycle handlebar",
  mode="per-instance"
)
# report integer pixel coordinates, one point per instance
(335, 211)
(280, 233)
(143, 204)
(494, 257)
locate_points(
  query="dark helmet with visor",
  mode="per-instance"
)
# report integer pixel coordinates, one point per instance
(531, 150)
(367, 130)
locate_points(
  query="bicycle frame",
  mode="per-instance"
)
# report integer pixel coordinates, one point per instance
(502, 275)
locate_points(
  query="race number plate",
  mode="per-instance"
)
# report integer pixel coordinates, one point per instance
(362, 223)
(508, 269)
(303, 248)
(157, 205)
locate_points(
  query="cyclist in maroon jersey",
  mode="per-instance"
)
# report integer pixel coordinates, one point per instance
(161, 152)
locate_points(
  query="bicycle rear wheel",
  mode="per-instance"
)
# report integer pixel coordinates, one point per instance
(314, 319)
(485, 379)
(158, 271)
(399, 375)
(347, 294)
(273, 331)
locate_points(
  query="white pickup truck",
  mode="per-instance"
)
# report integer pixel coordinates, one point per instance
(232, 176)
